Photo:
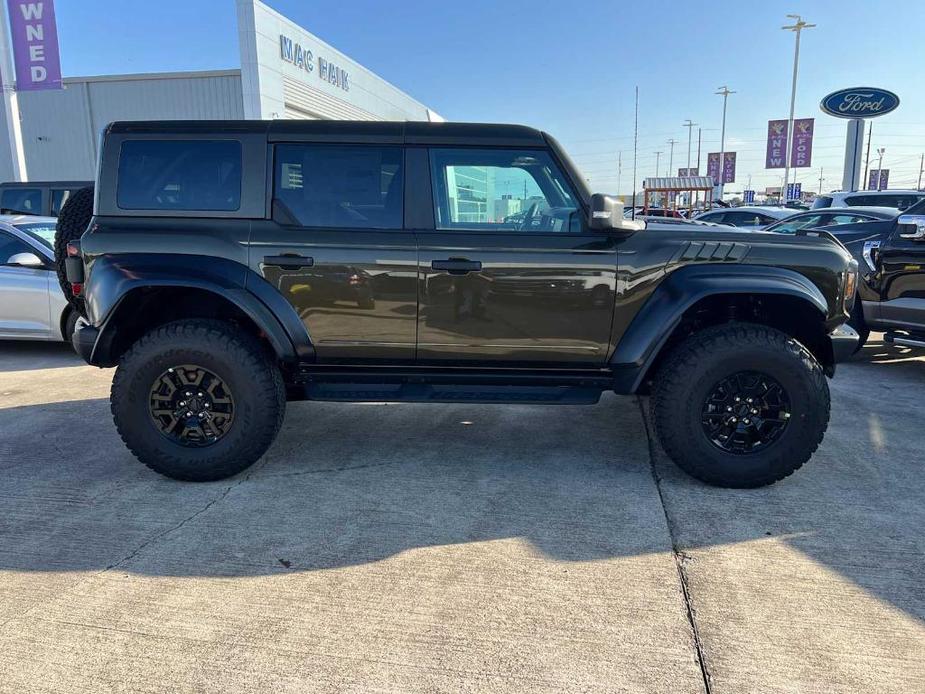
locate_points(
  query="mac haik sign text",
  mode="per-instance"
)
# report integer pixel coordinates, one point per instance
(304, 59)
(34, 36)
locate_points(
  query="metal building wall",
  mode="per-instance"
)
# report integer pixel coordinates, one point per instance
(61, 128)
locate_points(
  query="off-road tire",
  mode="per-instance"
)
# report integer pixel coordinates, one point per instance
(73, 221)
(692, 370)
(236, 357)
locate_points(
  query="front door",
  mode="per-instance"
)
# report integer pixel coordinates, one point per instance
(902, 269)
(510, 274)
(25, 308)
(337, 249)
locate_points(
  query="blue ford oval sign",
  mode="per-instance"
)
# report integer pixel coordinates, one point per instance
(859, 102)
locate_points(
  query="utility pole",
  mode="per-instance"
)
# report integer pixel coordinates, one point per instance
(657, 156)
(921, 170)
(880, 151)
(870, 132)
(619, 171)
(724, 92)
(635, 152)
(689, 124)
(11, 100)
(671, 156)
(797, 27)
(698, 151)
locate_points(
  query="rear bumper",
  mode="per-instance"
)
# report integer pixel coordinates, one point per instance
(844, 342)
(84, 340)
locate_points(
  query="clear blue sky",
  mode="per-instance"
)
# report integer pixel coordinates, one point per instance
(570, 67)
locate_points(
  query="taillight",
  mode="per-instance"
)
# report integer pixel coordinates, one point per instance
(77, 288)
(73, 249)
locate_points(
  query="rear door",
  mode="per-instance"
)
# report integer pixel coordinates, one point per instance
(337, 249)
(509, 274)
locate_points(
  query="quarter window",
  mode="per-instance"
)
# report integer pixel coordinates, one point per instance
(518, 190)
(180, 175)
(21, 201)
(58, 198)
(341, 186)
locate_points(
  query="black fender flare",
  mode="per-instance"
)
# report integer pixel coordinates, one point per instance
(112, 278)
(651, 328)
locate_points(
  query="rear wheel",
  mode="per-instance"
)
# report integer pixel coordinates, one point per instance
(198, 400)
(740, 405)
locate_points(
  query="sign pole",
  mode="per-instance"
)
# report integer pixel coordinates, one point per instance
(797, 27)
(723, 91)
(10, 99)
(854, 142)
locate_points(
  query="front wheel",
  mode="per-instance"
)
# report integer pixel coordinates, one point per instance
(740, 405)
(198, 400)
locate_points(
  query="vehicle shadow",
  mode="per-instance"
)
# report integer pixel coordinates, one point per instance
(355, 484)
(27, 355)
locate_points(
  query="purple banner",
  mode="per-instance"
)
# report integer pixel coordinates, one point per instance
(801, 148)
(729, 167)
(34, 36)
(879, 179)
(777, 144)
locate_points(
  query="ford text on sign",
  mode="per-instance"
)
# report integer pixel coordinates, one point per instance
(859, 102)
(35, 44)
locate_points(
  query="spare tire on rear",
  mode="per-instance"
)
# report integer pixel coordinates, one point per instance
(72, 223)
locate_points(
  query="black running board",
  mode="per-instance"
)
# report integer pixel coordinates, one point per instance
(449, 393)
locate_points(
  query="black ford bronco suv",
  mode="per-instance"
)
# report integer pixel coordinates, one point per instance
(229, 267)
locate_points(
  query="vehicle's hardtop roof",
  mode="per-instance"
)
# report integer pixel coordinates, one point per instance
(397, 132)
(39, 184)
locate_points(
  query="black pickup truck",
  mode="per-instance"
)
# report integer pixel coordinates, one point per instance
(891, 288)
(230, 267)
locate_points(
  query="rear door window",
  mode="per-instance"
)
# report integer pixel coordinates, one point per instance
(341, 186)
(21, 201)
(180, 175)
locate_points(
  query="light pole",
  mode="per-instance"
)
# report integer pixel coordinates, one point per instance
(880, 151)
(657, 158)
(820, 180)
(671, 156)
(797, 27)
(689, 124)
(723, 91)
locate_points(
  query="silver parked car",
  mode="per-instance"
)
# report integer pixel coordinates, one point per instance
(751, 218)
(32, 305)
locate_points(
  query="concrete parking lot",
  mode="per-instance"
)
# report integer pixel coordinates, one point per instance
(431, 548)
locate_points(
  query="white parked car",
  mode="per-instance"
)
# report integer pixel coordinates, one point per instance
(748, 217)
(32, 305)
(899, 199)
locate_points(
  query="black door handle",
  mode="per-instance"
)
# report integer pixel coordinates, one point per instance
(289, 261)
(457, 266)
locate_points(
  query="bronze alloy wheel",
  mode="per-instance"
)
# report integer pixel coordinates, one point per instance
(191, 405)
(745, 412)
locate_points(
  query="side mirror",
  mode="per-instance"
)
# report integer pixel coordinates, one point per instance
(912, 226)
(607, 215)
(26, 260)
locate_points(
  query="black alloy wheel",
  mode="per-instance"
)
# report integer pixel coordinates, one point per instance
(191, 405)
(745, 412)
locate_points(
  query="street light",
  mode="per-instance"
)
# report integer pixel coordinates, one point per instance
(657, 157)
(689, 124)
(880, 151)
(724, 92)
(796, 27)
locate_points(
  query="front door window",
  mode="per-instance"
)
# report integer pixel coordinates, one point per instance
(501, 190)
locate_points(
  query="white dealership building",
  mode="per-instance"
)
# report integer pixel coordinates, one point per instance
(285, 72)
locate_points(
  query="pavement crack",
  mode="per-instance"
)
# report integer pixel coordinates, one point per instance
(680, 558)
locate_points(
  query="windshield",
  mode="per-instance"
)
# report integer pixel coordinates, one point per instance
(42, 232)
